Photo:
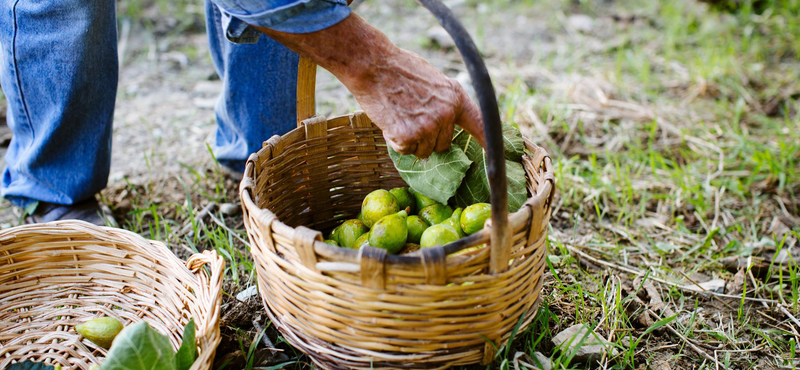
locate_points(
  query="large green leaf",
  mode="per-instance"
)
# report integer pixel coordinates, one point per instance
(513, 145)
(437, 176)
(140, 347)
(475, 187)
(29, 365)
(188, 351)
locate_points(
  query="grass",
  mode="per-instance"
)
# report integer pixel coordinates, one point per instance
(676, 137)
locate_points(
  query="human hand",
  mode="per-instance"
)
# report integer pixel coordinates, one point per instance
(414, 104)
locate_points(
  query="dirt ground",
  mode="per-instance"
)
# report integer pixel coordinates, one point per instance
(674, 161)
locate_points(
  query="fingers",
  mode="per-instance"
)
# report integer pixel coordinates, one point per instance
(421, 147)
(469, 117)
(445, 137)
(400, 146)
(424, 148)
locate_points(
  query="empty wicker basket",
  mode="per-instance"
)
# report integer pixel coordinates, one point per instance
(57, 275)
(363, 309)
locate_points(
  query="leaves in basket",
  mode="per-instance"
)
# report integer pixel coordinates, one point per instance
(513, 145)
(188, 351)
(140, 347)
(437, 176)
(475, 187)
(29, 365)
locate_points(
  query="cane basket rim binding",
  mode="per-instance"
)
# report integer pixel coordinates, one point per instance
(56, 275)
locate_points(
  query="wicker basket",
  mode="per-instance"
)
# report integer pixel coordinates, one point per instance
(364, 309)
(57, 275)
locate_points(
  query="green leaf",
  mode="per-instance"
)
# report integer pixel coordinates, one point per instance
(513, 145)
(188, 351)
(140, 347)
(29, 365)
(30, 208)
(475, 188)
(437, 176)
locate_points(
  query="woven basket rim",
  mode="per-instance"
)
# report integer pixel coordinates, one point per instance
(204, 287)
(543, 196)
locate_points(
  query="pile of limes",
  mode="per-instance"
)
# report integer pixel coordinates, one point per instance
(403, 220)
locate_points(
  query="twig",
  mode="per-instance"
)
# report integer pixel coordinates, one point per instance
(231, 231)
(662, 281)
(791, 317)
(265, 338)
(686, 340)
(198, 218)
(706, 290)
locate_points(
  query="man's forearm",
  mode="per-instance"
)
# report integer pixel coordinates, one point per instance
(336, 49)
(413, 103)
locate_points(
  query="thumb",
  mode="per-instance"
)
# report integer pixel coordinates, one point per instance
(470, 118)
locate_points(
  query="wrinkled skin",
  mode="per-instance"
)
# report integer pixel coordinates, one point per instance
(350, 231)
(377, 204)
(416, 226)
(436, 213)
(414, 104)
(440, 234)
(421, 201)
(405, 199)
(390, 232)
(474, 217)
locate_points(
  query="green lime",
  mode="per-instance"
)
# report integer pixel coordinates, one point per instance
(377, 204)
(436, 213)
(390, 232)
(100, 331)
(334, 235)
(405, 199)
(349, 232)
(331, 242)
(441, 234)
(474, 216)
(362, 241)
(421, 200)
(454, 222)
(416, 226)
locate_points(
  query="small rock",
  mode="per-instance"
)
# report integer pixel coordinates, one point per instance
(581, 22)
(247, 293)
(440, 37)
(592, 347)
(229, 209)
(544, 361)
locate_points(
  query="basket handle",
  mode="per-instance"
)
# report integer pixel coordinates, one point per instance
(496, 170)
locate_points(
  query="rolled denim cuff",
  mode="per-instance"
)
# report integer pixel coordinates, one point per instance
(303, 16)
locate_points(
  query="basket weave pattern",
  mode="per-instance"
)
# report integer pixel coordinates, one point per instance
(57, 275)
(360, 311)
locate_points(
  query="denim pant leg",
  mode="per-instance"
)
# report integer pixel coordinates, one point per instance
(59, 72)
(259, 94)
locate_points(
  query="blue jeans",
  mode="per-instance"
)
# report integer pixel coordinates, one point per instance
(59, 72)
